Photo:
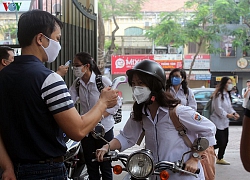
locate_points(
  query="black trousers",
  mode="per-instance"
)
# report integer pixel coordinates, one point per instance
(89, 145)
(221, 141)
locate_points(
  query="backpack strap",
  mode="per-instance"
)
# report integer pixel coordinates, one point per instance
(179, 127)
(187, 96)
(98, 81)
(77, 86)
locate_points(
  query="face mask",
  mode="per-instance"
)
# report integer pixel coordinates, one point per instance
(141, 94)
(229, 87)
(176, 81)
(52, 50)
(78, 71)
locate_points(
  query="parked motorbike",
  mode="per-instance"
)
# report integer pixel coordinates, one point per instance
(140, 164)
(74, 160)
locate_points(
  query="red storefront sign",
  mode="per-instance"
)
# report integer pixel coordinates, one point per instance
(121, 63)
(170, 64)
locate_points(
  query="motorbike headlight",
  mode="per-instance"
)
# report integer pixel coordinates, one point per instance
(140, 164)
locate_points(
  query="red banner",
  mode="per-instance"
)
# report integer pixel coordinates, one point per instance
(122, 63)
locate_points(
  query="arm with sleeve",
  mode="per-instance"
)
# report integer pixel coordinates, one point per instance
(191, 100)
(243, 92)
(73, 92)
(196, 123)
(130, 134)
(217, 107)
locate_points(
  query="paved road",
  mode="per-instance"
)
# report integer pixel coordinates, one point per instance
(235, 171)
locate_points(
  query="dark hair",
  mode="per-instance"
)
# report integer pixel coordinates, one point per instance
(86, 58)
(183, 83)
(4, 52)
(161, 96)
(220, 88)
(34, 22)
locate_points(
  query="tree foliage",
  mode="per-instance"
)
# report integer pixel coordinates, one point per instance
(110, 9)
(203, 22)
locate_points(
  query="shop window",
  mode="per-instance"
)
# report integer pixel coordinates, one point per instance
(246, 53)
(133, 31)
(227, 48)
(193, 47)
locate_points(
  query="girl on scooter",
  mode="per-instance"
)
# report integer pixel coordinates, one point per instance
(151, 114)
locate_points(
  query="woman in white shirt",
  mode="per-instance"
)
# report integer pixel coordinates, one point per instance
(151, 113)
(222, 110)
(85, 89)
(178, 87)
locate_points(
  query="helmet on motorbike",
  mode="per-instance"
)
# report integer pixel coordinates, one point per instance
(152, 68)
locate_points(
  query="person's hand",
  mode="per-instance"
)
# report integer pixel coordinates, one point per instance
(62, 70)
(8, 174)
(101, 152)
(231, 116)
(109, 97)
(236, 116)
(191, 165)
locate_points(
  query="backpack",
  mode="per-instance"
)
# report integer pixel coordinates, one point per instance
(207, 110)
(98, 80)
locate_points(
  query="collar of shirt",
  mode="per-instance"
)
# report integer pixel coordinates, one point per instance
(91, 79)
(173, 90)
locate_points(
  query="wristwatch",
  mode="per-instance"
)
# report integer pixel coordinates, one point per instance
(196, 155)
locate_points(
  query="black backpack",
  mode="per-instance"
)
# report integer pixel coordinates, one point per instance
(100, 86)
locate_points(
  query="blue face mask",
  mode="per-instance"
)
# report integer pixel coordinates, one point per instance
(176, 81)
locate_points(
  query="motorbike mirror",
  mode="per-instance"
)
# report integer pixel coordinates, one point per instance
(200, 144)
(98, 132)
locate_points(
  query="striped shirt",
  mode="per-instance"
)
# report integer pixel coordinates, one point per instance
(30, 95)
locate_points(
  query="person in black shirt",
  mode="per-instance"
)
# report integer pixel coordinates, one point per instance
(35, 105)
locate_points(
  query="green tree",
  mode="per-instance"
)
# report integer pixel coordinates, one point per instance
(10, 28)
(111, 9)
(200, 21)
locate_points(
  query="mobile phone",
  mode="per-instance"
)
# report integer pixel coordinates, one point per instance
(67, 63)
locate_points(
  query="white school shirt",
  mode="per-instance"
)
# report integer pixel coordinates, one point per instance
(181, 96)
(163, 139)
(220, 110)
(89, 95)
(244, 104)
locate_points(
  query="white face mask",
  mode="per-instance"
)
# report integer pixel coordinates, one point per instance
(52, 50)
(229, 87)
(141, 94)
(78, 71)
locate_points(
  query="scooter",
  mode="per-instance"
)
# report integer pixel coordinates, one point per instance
(74, 160)
(140, 164)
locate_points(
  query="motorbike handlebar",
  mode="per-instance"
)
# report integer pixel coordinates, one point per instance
(112, 156)
(175, 167)
(196, 172)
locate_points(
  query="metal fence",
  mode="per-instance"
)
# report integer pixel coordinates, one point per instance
(79, 31)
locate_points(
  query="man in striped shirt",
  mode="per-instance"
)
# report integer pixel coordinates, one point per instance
(35, 105)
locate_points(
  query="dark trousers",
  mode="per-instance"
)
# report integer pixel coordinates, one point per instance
(89, 145)
(221, 141)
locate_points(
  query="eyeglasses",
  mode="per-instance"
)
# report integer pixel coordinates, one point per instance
(77, 65)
